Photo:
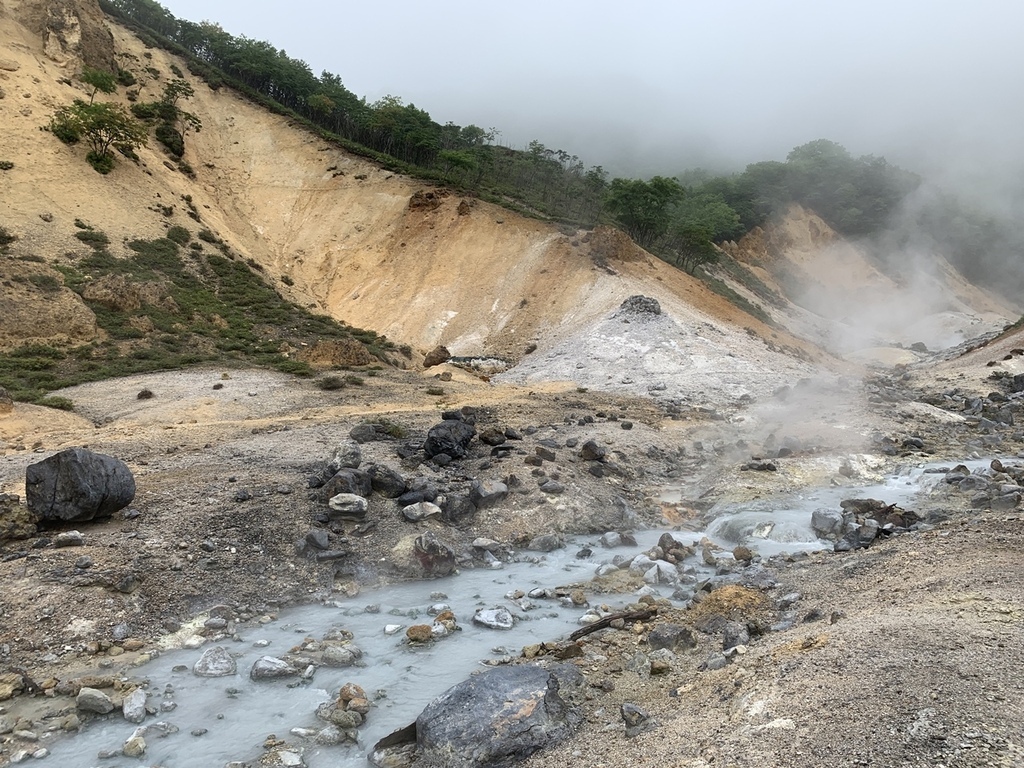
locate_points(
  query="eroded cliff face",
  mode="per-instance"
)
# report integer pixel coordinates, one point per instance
(855, 303)
(72, 32)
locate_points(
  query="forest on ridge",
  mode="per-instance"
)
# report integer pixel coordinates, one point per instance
(679, 216)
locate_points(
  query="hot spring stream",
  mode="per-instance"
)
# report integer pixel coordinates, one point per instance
(238, 713)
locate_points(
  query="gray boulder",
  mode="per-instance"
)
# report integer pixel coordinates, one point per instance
(77, 485)
(348, 505)
(673, 637)
(386, 481)
(134, 706)
(347, 455)
(93, 700)
(269, 667)
(487, 494)
(420, 511)
(827, 523)
(498, 718)
(450, 437)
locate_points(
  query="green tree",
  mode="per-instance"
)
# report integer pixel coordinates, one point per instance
(99, 80)
(642, 208)
(103, 125)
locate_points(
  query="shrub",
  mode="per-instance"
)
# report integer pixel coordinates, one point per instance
(435, 391)
(287, 280)
(188, 170)
(102, 162)
(125, 78)
(354, 380)
(179, 235)
(67, 131)
(207, 236)
(145, 110)
(177, 70)
(331, 382)
(169, 136)
(98, 240)
(6, 165)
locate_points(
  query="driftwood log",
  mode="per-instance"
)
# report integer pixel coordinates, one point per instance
(643, 615)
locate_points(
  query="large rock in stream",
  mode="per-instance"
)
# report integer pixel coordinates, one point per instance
(498, 717)
(77, 485)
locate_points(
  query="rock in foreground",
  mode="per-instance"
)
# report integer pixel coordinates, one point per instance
(497, 718)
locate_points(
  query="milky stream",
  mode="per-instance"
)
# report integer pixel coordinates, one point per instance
(400, 679)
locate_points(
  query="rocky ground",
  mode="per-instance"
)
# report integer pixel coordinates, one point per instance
(903, 653)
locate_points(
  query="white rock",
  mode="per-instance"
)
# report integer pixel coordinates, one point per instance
(215, 662)
(494, 618)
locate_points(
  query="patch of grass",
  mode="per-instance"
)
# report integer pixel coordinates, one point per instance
(390, 427)
(45, 283)
(98, 240)
(210, 309)
(60, 403)
(435, 391)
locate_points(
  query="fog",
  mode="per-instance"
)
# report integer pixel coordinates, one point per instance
(659, 87)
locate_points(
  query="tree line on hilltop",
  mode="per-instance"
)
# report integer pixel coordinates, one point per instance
(679, 219)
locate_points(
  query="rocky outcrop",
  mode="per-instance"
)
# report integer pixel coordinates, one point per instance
(71, 31)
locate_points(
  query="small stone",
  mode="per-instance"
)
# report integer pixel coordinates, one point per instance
(636, 719)
(69, 539)
(135, 746)
(419, 633)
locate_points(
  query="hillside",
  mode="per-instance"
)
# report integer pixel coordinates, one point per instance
(639, 400)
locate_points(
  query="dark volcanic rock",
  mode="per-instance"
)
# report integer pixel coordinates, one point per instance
(593, 451)
(77, 485)
(434, 557)
(349, 481)
(449, 437)
(498, 717)
(386, 481)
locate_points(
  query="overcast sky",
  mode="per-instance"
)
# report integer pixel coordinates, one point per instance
(647, 87)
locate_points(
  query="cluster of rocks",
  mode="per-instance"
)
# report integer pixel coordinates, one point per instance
(353, 497)
(344, 714)
(998, 487)
(859, 522)
(443, 625)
